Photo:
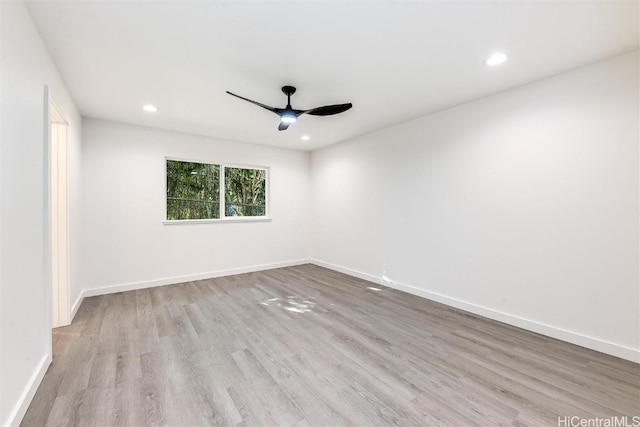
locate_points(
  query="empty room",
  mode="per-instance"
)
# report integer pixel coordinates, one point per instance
(319, 213)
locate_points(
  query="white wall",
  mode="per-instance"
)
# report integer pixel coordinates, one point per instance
(25, 300)
(522, 206)
(125, 244)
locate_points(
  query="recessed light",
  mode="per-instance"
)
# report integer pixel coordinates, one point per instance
(305, 137)
(496, 59)
(150, 108)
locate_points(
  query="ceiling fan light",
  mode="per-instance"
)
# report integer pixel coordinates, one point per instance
(288, 118)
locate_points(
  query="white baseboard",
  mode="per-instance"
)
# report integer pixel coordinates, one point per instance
(348, 271)
(592, 343)
(104, 290)
(15, 417)
(76, 306)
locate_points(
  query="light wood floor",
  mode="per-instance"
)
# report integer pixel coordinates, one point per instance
(309, 346)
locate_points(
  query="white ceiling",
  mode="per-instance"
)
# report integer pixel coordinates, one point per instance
(394, 60)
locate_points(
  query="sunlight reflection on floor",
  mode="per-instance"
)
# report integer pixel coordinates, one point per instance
(291, 303)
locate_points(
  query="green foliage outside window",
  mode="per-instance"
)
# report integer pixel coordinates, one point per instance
(244, 191)
(193, 191)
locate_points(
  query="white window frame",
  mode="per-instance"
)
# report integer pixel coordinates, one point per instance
(223, 212)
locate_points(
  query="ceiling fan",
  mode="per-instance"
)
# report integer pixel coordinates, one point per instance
(288, 115)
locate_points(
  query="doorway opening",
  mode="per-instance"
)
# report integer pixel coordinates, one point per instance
(59, 132)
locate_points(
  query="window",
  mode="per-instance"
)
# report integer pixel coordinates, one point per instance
(245, 191)
(203, 191)
(193, 190)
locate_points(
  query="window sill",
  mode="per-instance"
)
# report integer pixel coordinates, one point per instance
(216, 221)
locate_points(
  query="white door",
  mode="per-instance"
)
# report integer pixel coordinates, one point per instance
(59, 219)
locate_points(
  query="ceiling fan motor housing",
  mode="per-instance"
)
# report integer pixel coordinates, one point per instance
(288, 90)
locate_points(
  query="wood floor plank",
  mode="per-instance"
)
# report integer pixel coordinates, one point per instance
(307, 346)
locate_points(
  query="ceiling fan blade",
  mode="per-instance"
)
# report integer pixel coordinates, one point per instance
(328, 110)
(283, 126)
(272, 109)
